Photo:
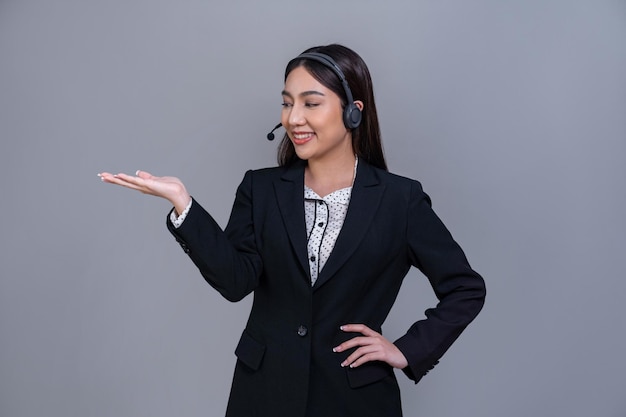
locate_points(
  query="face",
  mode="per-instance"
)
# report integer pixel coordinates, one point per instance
(313, 118)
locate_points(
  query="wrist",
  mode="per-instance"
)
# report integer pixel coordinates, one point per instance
(181, 201)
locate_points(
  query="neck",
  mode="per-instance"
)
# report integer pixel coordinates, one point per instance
(324, 177)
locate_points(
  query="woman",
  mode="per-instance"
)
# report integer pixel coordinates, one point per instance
(324, 242)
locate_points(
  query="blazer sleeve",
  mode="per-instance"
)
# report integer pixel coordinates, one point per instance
(459, 289)
(228, 260)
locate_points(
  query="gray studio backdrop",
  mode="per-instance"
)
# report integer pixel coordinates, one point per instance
(511, 113)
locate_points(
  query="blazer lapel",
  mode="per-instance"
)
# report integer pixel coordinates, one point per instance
(289, 189)
(364, 201)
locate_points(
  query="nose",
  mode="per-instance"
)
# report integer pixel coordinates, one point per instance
(296, 116)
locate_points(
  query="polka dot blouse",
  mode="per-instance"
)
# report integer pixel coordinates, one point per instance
(324, 218)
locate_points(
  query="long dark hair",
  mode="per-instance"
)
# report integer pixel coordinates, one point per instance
(366, 140)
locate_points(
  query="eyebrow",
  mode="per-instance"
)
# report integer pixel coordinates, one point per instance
(304, 93)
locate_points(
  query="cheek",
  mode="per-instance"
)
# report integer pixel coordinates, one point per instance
(335, 123)
(336, 116)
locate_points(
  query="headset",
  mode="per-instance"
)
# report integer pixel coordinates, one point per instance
(351, 113)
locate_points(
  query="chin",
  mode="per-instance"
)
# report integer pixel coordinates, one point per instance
(303, 155)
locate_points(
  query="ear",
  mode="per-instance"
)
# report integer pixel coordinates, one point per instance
(359, 104)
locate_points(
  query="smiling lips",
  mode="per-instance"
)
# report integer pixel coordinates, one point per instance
(302, 138)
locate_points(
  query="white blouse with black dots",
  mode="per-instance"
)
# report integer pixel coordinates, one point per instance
(324, 218)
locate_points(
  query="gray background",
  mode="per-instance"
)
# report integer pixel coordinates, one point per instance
(512, 114)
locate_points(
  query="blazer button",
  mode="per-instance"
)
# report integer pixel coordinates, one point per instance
(302, 331)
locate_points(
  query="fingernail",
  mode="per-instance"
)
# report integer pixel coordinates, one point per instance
(340, 327)
(137, 172)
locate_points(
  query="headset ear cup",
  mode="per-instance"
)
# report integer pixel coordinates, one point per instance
(352, 116)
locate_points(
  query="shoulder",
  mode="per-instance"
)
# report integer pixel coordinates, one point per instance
(396, 182)
(397, 179)
(265, 177)
(270, 173)
(399, 189)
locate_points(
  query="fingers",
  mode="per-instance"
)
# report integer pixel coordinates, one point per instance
(125, 180)
(120, 179)
(356, 341)
(358, 328)
(104, 175)
(361, 356)
(372, 346)
(138, 180)
(107, 176)
(143, 174)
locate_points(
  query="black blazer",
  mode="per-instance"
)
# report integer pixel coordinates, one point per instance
(286, 366)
